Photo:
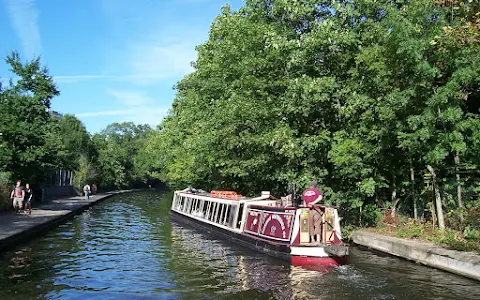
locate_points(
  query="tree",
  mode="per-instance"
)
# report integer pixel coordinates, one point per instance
(118, 162)
(28, 150)
(360, 95)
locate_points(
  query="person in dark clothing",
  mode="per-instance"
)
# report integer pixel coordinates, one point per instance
(28, 198)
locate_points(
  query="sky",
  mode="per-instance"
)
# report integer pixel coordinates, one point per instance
(112, 60)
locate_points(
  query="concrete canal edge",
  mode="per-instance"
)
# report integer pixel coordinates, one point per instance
(462, 263)
(19, 229)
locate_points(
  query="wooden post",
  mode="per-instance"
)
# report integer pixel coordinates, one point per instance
(459, 184)
(414, 196)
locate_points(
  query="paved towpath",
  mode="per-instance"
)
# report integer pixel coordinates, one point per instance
(17, 228)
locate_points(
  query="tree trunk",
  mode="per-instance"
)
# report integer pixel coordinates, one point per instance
(459, 184)
(360, 216)
(414, 196)
(438, 199)
(394, 198)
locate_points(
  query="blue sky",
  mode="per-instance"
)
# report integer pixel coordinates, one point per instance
(113, 60)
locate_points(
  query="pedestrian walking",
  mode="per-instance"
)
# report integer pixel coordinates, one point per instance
(86, 191)
(28, 198)
(17, 195)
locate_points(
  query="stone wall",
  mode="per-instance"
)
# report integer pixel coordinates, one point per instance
(462, 263)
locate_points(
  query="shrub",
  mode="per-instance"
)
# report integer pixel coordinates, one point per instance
(471, 233)
(370, 215)
(5, 190)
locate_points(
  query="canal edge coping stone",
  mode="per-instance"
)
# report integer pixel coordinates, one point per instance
(462, 263)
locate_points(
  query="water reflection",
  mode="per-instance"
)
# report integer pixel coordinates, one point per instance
(237, 271)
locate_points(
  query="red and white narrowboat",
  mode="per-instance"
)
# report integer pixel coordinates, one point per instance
(264, 224)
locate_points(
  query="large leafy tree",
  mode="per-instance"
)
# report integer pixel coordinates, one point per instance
(29, 145)
(361, 95)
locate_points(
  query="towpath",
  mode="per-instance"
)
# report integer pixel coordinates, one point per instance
(17, 228)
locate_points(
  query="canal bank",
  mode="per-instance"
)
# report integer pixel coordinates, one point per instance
(18, 228)
(459, 262)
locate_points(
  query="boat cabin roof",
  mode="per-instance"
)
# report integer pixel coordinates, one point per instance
(262, 200)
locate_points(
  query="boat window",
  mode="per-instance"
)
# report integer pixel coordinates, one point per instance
(197, 205)
(220, 213)
(194, 205)
(180, 203)
(212, 211)
(175, 199)
(240, 215)
(217, 212)
(209, 210)
(189, 205)
(203, 207)
(206, 208)
(226, 213)
(231, 215)
(186, 204)
(200, 208)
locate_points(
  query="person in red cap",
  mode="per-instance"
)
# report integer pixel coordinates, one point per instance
(311, 197)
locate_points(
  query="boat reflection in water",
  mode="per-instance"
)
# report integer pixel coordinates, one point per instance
(239, 272)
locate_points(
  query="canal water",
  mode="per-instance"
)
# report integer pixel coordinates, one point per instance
(127, 248)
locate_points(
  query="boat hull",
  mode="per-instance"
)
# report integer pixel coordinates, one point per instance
(294, 254)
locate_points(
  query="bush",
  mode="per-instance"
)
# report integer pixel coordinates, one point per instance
(471, 218)
(370, 215)
(471, 233)
(5, 190)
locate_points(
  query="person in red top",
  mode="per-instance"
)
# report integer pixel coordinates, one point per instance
(311, 197)
(17, 196)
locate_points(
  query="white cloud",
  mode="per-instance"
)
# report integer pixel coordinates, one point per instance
(162, 60)
(154, 48)
(148, 63)
(77, 78)
(138, 115)
(137, 107)
(117, 112)
(24, 17)
(131, 98)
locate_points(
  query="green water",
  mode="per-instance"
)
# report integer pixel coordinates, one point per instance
(127, 248)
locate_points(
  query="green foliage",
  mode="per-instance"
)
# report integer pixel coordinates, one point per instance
(86, 173)
(351, 93)
(370, 215)
(468, 240)
(122, 161)
(5, 189)
(76, 142)
(413, 230)
(29, 147)
(471, 233)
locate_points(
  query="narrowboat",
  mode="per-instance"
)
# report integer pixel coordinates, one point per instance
(264, 223)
